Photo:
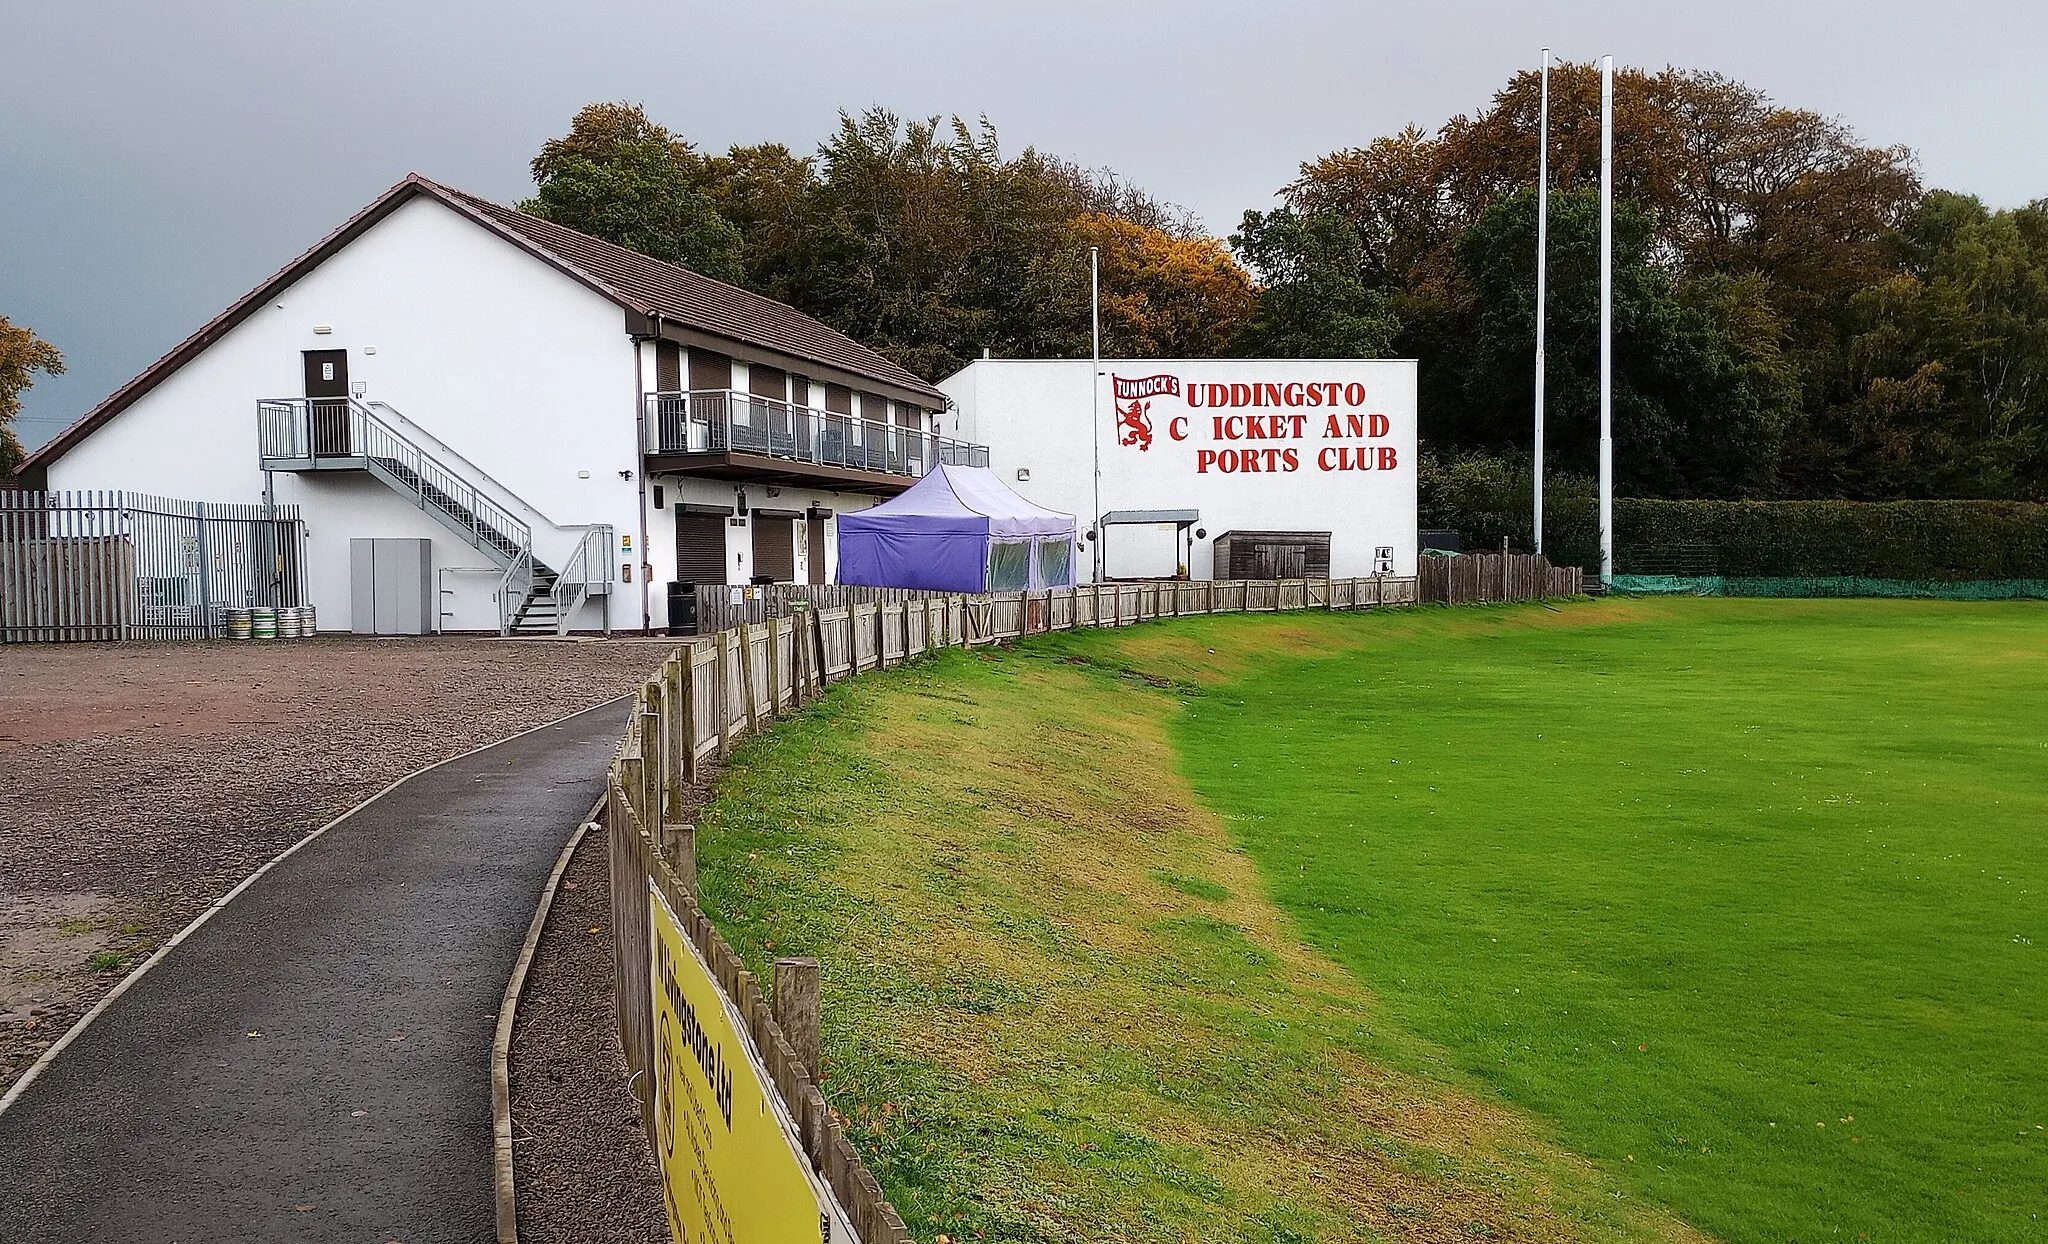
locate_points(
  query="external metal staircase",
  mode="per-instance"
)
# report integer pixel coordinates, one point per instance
(344, 434)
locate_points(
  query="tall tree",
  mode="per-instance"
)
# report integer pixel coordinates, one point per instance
(22, 356)
(1317, 300)
(1946, 365)
(922, 238)
(1166, 296)
(1692, 417)
(618, 176)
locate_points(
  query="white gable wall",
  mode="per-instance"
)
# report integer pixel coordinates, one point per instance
(1335, 451)
(513, 365)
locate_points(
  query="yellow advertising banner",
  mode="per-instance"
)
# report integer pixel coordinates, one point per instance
(731, 1164)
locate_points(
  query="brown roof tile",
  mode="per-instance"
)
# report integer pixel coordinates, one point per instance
(702, 302)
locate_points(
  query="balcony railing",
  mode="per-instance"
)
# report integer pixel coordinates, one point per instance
(728, 421)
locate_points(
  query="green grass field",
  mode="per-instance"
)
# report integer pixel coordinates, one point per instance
(1603, 922)
(1747, 896)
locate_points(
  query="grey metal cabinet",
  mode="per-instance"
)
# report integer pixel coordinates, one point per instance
(391, 586)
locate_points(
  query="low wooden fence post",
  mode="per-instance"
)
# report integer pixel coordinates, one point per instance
(724, 696)
(652, 793)
(748, 701)
(689, 707)
(796, 1008)
(818, 644)
(796, 659)
(674, 737)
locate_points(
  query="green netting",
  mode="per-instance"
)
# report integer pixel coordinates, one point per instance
(1845, 585)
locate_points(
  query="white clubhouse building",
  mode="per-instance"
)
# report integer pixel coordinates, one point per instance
(558, 422)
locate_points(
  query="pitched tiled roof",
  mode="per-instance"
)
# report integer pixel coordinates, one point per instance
(634, 281)
(691, 298)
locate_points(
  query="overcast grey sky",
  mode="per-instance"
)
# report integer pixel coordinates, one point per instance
(159, 159)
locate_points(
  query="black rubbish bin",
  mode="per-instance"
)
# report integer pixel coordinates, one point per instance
(682, 608)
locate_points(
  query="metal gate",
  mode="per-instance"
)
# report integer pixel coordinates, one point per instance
(78, 566)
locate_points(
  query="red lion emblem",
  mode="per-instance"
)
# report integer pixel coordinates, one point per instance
(1132, 425)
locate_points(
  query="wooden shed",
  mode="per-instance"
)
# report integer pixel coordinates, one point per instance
(1273, 555)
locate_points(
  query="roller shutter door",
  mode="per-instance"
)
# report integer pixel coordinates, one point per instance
(774, 549)
(700, 548)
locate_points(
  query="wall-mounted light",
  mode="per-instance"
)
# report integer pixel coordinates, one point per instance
(625, 475)
(1089, 534)
(1201, 533)
(321, 330)
(369, 349)
(582, 475)
(740, 502)
(1023, 475)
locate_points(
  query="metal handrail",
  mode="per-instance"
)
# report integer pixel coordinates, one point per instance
(586, 573)
(309, 429)
(513, 590)
(344, 431)
(727, 420)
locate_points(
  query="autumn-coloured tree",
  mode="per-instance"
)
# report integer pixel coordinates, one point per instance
(1165, 296)
(921, 237)
(1863, 338)
(22, 356)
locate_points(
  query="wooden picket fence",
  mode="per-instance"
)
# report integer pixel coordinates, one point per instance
(714, 690)
(718, 610)
(1492, 578)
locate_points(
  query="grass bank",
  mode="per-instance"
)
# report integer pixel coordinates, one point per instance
(1059, 1006)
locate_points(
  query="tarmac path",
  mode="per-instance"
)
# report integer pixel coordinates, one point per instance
(313, 1063)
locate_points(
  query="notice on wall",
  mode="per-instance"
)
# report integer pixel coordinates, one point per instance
(731, 1165)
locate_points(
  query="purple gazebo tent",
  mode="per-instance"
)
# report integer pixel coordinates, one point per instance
(959, 529)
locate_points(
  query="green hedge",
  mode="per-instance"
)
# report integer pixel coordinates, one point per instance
(1486, 500)
(1936, 540)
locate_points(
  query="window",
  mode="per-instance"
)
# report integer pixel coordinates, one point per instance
(1056, 563)
(1009, 565)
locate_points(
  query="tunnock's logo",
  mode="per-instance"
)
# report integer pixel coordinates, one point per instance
(1133, 412)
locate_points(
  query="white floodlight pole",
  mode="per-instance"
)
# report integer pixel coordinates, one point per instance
(1542, 265)
(1095, 393)
(1606, 321)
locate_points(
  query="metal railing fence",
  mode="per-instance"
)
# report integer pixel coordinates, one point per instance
(105, 565)
(586, 573)
(729, 421)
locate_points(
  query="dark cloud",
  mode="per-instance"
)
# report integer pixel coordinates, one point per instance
(157, 160)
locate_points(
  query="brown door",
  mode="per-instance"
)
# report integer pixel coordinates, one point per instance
(840, 444)
(816, 536)
(775, 431)
(774, 549)
(711, 401)
(700, 548)
(327, 403)
(1279, 561)
(709, 370)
